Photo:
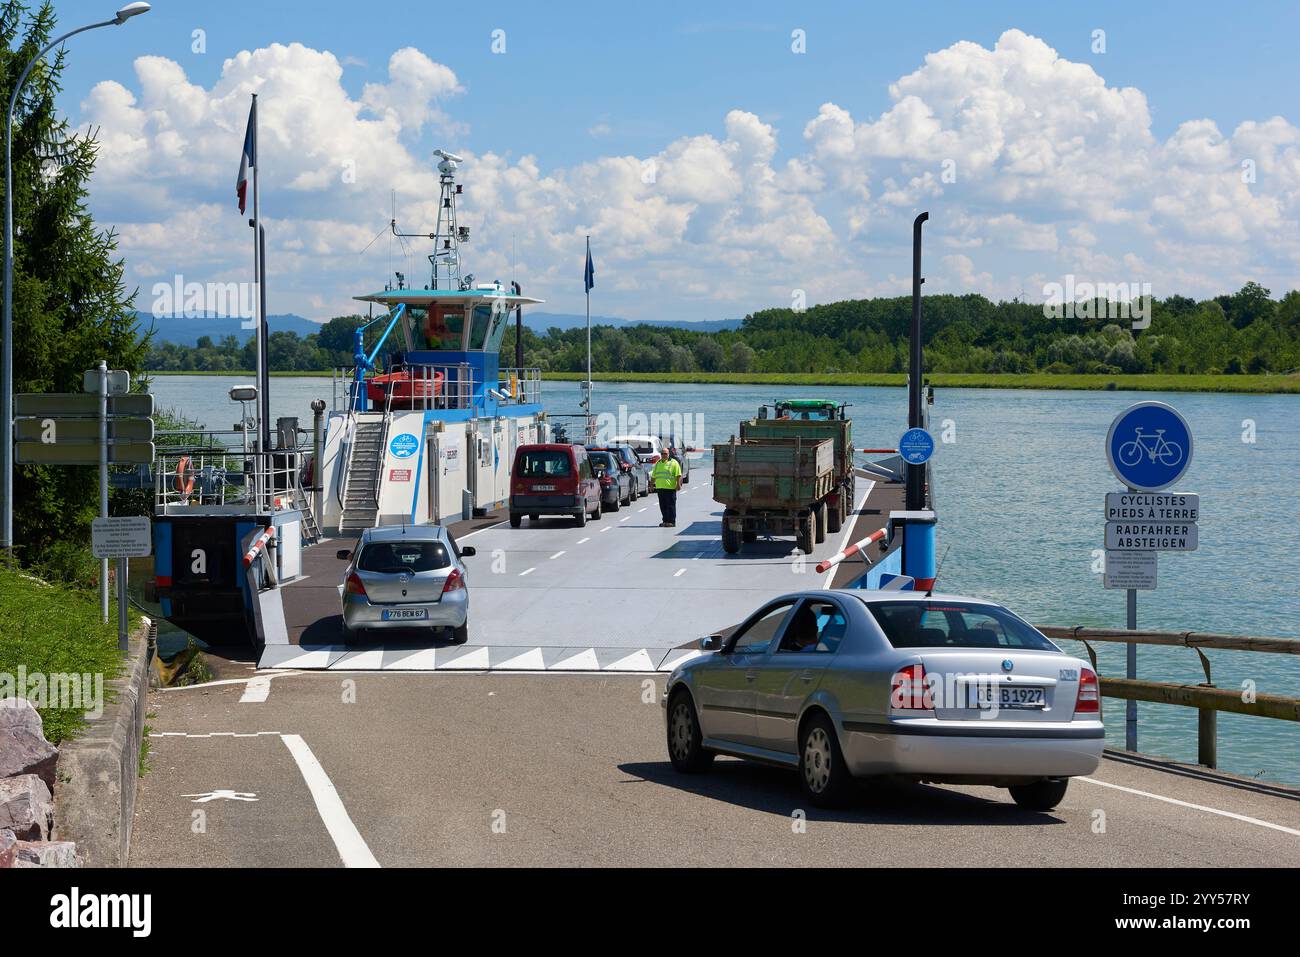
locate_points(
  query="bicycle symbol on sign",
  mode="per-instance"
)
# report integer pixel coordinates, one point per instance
(1152, 444)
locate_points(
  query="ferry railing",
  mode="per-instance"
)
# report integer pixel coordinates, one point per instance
(521, 386)
(261, 482)
(1206, 698)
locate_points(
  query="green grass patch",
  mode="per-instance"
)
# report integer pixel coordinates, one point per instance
(55, 629)
(964, 380)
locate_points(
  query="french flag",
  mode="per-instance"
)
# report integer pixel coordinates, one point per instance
(249, 159)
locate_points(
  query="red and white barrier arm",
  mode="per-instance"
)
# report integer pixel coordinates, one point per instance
(259, 543)
(852, 550)
(880, 451)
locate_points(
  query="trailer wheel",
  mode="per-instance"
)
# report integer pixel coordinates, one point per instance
(819, 515)
(730, 540)
(835, 515)
(805, 535)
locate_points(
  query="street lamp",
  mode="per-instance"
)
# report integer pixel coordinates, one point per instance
(7, 361)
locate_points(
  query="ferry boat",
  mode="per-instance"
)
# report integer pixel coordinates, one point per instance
(430, 438)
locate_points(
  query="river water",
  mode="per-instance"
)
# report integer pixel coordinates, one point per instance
(1020, 478)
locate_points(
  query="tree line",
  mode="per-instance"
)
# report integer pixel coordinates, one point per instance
(1242, 332)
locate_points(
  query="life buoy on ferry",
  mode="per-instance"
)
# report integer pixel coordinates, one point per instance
(185, 475)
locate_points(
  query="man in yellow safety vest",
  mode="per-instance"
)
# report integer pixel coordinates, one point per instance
(667, 479)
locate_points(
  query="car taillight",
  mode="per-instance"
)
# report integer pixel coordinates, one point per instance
(455, 581)
(908, 691)
(355, 587)
(1089, 700)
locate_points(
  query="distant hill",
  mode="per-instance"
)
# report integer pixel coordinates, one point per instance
(186, 332)
(541, 321)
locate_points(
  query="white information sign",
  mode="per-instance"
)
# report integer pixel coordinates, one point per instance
(126, 536)
(1131, 570)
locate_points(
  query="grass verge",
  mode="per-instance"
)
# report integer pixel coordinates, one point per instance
(53, 629)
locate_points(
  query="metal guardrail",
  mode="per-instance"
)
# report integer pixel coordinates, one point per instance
(1206, 698)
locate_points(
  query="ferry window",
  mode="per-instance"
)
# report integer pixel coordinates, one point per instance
(393, 557)
(442, 327)
(481, 322)
(545, 463)
(946, 624)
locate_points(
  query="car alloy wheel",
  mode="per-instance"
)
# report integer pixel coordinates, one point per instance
(683, 726)
(817, 761)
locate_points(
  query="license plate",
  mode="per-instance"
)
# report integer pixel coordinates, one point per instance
(405, 614)
(543, 488)
(1011, 697)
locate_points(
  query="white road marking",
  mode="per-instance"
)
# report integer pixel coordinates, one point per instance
(527, 571)
(681, 571)
(214, 734)
(228, 681)
(581, 540)
(607, 528)
(640, 510)
(847, 539)
(461, 538)
(625, 519)
(347, 839)
(1195, 807)
(557, 554)
(256, 690)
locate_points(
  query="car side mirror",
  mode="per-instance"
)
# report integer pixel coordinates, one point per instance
(469, 551)
(343, 554)
(711, 643)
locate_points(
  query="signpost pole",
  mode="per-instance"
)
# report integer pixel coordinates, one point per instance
(1131, 707)
(121, 604)
(102, 369)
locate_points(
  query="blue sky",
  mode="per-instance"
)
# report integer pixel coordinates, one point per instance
(582, 83)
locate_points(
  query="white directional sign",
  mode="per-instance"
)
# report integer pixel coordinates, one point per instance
(126, 536)
(1152, 536)
(1153, 506)
(1131, 570)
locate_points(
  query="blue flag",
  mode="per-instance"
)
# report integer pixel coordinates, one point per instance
(589, 274)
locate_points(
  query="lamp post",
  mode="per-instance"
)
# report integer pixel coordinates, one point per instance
(7, 361)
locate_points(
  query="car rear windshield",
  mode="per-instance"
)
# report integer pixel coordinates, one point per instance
(602, 460)
(393, 557)
(545, 463)
(949, 624)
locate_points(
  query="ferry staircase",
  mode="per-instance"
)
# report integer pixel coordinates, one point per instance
(311, 531)
(361, 483)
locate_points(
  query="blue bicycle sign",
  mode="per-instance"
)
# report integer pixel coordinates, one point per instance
(1149, 446)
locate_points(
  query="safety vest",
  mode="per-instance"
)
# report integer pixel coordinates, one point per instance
(666, 473)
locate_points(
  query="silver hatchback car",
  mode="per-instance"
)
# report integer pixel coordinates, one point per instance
(853, 684)
(406, 576)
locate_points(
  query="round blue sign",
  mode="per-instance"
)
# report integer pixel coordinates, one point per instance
(916, 446)
(404, 445)
(1149, 446)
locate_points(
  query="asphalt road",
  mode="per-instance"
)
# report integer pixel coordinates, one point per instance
(550, 769)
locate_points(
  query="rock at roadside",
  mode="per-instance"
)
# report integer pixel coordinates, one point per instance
(26, 808)
(7, 842)
(23, 748)
(45, 854)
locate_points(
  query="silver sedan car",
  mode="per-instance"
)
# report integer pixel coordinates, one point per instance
(406, 576)
(854, 684)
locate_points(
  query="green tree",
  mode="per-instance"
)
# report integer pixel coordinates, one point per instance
(71, 307)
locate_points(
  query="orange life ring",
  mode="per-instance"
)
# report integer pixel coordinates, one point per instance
(184, 475)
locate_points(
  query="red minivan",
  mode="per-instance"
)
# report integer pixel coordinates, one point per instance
(553, 479)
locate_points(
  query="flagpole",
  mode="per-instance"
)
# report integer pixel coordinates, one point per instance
(590, 437)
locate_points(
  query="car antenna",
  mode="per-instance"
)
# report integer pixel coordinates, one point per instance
(930, 593)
